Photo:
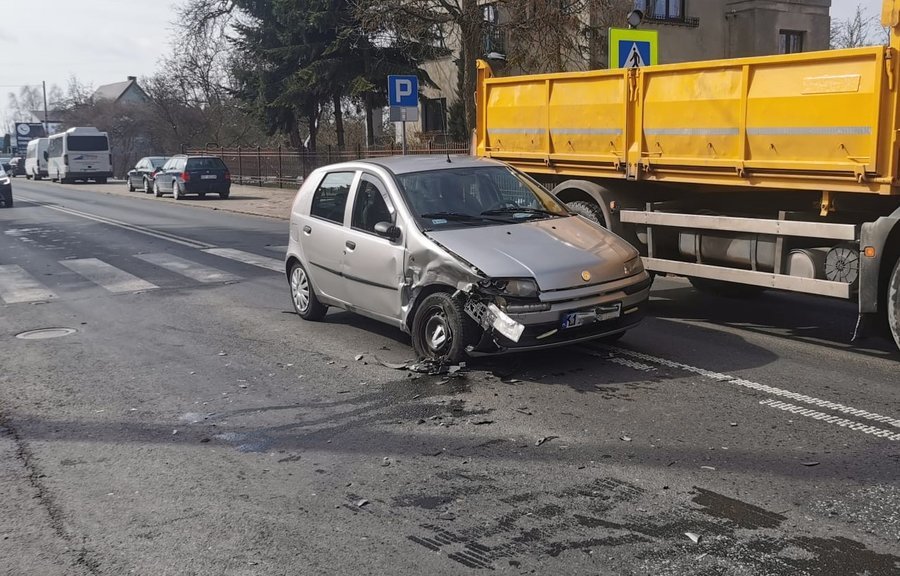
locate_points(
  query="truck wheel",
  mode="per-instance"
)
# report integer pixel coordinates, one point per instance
(725, 289)
(893, 304)
(587, 209)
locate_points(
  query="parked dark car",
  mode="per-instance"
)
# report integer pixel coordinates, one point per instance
(4, 163)
(144, 172)
(199, 175)
(5, 189)
(16, 167)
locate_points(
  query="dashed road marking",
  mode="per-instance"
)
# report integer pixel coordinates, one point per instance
(248, 258)
(832, 419)
(107, 276)
(188, 268)
(17, 286)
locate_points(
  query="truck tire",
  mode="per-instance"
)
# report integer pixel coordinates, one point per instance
(725, 289)
(893, 304)
(587, 209)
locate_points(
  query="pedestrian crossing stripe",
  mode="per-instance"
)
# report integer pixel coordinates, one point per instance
(17, 286)
(248, 258)
(107, 276)
(188, 268)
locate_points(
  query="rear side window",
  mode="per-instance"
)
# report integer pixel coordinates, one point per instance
(330, 197)
(205, 164)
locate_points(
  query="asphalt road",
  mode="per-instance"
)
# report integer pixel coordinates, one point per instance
(192, 424)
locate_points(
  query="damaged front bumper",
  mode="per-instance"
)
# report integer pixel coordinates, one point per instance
(562, 318)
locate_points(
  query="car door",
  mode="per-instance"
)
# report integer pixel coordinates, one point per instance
(164, 178)
(323, 233)
(134, 177)
(373, 265)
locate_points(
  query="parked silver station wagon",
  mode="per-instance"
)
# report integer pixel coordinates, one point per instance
(466, 254)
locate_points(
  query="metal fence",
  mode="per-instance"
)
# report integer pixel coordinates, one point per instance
(280, 167)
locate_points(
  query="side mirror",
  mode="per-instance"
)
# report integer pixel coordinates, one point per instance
(387, 230)
(46, 155)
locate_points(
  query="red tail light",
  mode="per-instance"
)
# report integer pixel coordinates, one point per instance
(227, 175)
(185, 176)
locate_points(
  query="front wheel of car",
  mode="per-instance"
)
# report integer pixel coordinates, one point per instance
(147, 188)
(441, 330)
(303, 296)
(156, 191)
(177, 194)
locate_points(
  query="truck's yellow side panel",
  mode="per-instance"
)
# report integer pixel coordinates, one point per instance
(817, 121)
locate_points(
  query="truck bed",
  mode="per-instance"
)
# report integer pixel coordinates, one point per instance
(811, 121)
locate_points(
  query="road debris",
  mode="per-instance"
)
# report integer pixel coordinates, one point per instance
(361, 503)
(223, 353)
(385, 461)
(359, 357)
(426, 366)
(708, 467)
(625, 438)
(447, 516)
(695, 538)
(811, 463)
(544, 440)
(481, 422)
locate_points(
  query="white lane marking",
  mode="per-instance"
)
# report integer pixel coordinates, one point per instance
(832, 419)
(107, 276)
(17, 285)
(610, 357)
(118, 223)
(248, 258)
(718, 377)
(189, 268)
(281, 249)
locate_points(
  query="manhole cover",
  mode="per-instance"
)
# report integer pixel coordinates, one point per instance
(45, 333)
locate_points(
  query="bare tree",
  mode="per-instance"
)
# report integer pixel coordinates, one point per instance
(861, 29)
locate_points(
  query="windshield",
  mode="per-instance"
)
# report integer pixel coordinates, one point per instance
(483, 196)
(88, 144)
(157, 162)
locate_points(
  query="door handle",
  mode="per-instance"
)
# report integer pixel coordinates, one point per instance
(307, 230)
(350, 244)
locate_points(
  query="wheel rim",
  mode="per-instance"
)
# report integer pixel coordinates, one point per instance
(146, 187)
(300, 289)
(437, 334)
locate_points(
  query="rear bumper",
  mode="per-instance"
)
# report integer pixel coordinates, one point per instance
(87, 175)
(213, 187)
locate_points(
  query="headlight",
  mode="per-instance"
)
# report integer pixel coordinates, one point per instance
(634, 266)
(5, 181)
(516, 287)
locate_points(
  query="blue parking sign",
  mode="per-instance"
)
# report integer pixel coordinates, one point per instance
(403, 91)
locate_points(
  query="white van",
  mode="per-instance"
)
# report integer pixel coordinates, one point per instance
(35, 161)
(79, 154)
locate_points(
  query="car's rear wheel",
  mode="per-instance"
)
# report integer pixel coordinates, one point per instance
(441, 330)
(130, 185)
(201, 194)
(156, 191)
(8, 200)
(303, 296)
(893, 304)
(147, 188)
(177, 193)
(101, 180)
(224, 195)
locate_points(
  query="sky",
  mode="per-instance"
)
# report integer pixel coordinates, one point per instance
(105, 41)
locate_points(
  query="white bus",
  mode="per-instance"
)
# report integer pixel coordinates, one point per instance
(79, 154)
(35, 161)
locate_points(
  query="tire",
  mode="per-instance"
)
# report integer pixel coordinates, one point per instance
(587, 209)
(37, 176)
(441, 330)
(201, 194)
(156, 190)
(303, 296)
(726, 289)
(130, 187)
(225, 195)
(101, 180)
(893, 304)
(147, 187)
(28, 176)
(8, 200)
(176, 193)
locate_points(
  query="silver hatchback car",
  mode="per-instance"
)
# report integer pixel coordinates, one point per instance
(467, 255)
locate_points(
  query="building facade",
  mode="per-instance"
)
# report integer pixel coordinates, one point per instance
(689, 30)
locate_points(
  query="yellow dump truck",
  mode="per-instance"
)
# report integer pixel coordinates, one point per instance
(778, 172)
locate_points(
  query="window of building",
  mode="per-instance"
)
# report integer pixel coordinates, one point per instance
(666, 11)
(433, 114)
(790, 41)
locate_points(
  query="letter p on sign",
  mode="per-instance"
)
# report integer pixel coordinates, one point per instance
(403, 91)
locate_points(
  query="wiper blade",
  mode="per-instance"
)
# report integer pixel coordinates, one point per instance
(450, 216)
(536, 211)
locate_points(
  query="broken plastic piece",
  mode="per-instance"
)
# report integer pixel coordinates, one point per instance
(695, 538)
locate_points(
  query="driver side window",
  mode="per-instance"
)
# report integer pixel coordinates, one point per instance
(370, 207)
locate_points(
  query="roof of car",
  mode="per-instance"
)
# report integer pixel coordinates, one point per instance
(422, 163)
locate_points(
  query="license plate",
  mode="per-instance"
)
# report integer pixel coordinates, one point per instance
(599, 314)
(208, 176)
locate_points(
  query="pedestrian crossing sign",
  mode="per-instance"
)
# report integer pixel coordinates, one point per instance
(629, 48)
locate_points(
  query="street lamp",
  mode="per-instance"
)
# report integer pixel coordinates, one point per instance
(635, 17)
